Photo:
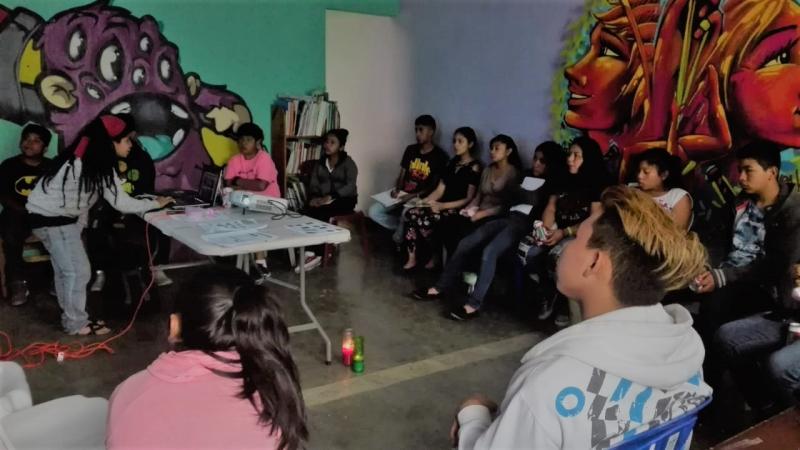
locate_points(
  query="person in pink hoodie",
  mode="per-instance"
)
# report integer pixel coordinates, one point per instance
(233, 385)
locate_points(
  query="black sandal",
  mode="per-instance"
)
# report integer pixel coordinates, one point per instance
(94, 328)
(423, 295)
(460, 314)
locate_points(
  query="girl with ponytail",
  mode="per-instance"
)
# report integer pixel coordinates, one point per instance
(234, 383)
(60, 202)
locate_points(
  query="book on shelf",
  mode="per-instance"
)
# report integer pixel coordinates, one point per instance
(299, 123)
(308, 116)
(300, 152)
(296, 193)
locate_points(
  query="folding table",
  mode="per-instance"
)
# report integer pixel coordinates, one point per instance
(287, 232)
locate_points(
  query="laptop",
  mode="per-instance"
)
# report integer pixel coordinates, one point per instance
(206, 194)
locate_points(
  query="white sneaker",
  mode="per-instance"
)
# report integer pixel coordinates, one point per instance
(162, 279)
(562, 321)
(311, 262)
(99, 281)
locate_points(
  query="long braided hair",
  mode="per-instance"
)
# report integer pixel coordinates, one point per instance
(95, 149)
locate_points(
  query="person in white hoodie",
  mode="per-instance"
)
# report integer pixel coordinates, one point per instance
(632, 365)
(61, 200)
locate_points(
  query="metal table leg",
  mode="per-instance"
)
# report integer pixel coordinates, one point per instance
(301, 261)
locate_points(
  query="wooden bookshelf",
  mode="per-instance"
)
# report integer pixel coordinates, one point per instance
(280, 142)
(280, 155)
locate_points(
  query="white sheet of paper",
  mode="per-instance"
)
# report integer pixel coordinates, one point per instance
(532, 183)
(385, 198)
(238, 238)
(524, 209)
(311, 228)
(230, 226)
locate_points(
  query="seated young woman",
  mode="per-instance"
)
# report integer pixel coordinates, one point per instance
(332, 187)
(456, 189)
(498, 189)
(494, 238)
(233, 384)
(569, 205)
(659, 176)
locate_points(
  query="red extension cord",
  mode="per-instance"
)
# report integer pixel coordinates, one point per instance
(35, 353)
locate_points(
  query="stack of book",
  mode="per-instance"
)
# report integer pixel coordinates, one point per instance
(299, 152)
(295, 193)
(309, 116)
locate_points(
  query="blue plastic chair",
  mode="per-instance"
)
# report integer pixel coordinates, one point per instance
(673, 435)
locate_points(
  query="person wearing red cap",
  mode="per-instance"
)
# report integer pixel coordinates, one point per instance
(59, 206)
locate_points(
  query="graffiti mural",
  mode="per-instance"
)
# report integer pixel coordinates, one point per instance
(700, 78)
(99, 58)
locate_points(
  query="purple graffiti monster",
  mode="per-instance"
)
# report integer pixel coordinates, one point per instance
(99, 58)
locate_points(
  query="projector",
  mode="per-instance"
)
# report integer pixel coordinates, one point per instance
(259, 203)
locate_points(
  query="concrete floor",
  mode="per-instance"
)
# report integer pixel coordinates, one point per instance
(419, 364)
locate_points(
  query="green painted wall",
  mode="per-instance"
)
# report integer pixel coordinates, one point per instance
(258, 48)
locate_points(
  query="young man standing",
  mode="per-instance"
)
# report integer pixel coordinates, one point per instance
(18, 176)
(631, 365)
(420, 169)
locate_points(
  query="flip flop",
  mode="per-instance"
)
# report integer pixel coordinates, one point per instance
(94, 328)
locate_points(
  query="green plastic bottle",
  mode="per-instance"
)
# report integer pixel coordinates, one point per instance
(358, 355)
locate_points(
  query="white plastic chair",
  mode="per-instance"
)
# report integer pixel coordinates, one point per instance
(74, 422)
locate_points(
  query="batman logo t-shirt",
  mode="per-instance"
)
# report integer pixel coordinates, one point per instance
(18, 178)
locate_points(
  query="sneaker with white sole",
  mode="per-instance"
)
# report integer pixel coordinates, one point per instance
(547, 306)
(99, 281)
(259, 272)
(162, 279)
(311, 262)
(19, 293)
(562, 321)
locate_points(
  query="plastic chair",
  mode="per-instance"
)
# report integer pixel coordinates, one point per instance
(64, 423)
(673, 435)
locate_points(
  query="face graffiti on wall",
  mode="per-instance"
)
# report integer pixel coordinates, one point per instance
(99, 59)
(699, 78)
(764, 87)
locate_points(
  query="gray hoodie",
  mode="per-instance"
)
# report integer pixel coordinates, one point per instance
(62, 199)
(597, 383)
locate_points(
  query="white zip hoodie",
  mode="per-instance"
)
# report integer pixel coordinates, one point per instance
(61, 198)
(597, 383)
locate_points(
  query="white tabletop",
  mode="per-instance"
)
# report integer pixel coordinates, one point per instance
(284, 233)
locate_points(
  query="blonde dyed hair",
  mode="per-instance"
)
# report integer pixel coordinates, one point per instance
(650, 254)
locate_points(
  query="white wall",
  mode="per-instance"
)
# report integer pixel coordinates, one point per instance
(367, 72)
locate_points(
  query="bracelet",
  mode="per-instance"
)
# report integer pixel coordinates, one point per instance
(568, 231)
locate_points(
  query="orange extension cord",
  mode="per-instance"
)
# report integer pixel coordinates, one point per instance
(34, 354)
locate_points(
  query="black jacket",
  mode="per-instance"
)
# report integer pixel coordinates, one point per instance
(781, 250)
(338, 183)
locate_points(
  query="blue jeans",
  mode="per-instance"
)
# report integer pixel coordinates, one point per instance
(740, 346)
(496, 237)
(71, 272)
(389, 218)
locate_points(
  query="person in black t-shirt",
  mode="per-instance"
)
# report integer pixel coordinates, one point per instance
(421, 167)
(18, 176)
(137, 172)
(457, 187)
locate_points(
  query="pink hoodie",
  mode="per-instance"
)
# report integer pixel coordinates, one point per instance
(179, 403)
